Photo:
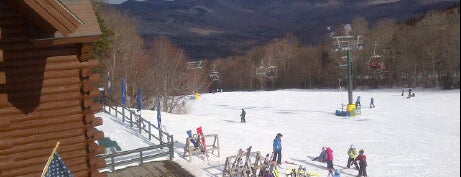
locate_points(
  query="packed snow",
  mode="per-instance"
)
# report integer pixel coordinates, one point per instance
(412, 137)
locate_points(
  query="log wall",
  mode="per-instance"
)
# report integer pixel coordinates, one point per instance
(45, 96)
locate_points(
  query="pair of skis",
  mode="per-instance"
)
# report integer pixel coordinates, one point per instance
(300, 172)
(244, 165)
(198, 140)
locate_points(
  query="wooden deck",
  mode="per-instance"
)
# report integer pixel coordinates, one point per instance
(165, 168)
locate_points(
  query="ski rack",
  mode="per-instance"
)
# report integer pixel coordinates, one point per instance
(190, 149)
(250, 169)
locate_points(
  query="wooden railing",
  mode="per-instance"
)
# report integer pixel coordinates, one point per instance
(138, 156)
(135, 121)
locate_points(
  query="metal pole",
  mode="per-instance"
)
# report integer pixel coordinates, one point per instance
(349, 74)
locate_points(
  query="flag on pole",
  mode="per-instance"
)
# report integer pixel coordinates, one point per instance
(139, 99)
(159, 118)
(123, 91)
(55, 166)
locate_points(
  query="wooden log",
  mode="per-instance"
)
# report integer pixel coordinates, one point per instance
(41, 145)
(37, 83)
(72, 151)
(4, 101)
(15, 163)
(5, 121)
(46, 137)
(94, 148)
(49, 114)
(36, 170)
(24, 69)
(2, 77)
(96, 122)
(97, 163)
(26, 45)
(33, 61)
(46, 52)
(42, 122)
(5, 143)
(50, 90)
(43, 130)
(41, 107)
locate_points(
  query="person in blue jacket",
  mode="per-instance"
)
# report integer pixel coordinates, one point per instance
(357, 103)
(277, 148)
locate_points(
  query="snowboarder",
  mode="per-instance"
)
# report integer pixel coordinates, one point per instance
(329, 160)
(322, 156)
(357, 103)
(372, 102)
(242, 116)
(277, 148)
(362, 163)
(352, 152)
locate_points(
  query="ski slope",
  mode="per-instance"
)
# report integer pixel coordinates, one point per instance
(412, 137)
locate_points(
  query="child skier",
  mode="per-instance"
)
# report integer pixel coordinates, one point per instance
(329, 160)
(322, 156)
(362, 158)
(372, 102)
(277, 149)
(352, 152)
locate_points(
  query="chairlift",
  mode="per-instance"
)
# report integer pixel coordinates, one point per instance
(194, 65)
(272, 72)
(260, 70)
(376, 62)
(348, 42)
(214, 74)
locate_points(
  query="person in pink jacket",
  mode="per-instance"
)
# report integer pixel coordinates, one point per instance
(329, 160)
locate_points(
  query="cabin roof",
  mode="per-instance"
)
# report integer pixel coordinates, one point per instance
(68, 21)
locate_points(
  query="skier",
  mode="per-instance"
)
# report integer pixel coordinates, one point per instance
(242, 116)
(403, 92)
(409, 93)
(362, 163)
(322, 156)
(277, 148)
(372, 102)
(357, 103)
(352, 152)
(329, 160)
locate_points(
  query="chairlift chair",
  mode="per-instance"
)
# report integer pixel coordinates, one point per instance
(214, 75)
(194, 65)
(272, 72)
(260, 70)
(376, 62)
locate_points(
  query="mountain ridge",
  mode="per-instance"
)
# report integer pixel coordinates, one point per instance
(209, 29)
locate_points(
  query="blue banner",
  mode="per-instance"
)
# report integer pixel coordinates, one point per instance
(159, 116)
(159, 119)
(139, 99)
(123, 91)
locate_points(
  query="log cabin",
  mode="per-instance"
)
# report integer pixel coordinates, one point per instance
(47, 86)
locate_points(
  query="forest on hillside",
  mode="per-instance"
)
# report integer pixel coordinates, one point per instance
(422, 52)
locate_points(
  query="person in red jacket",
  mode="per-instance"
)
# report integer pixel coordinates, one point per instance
(362, 158)
(329, 160)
